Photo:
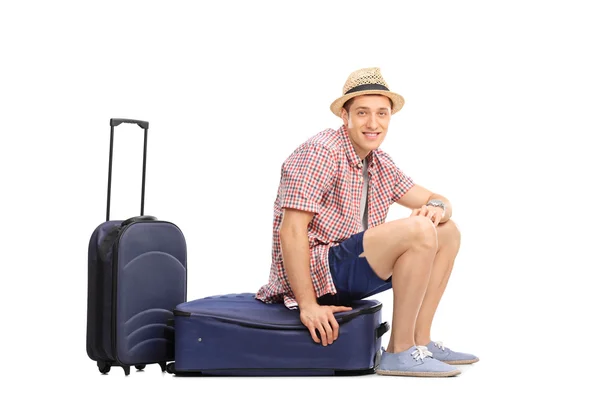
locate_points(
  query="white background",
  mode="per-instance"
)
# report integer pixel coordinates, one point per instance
(501, 117)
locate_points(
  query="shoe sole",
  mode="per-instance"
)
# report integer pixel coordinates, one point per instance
(462, 362)
(419, 374)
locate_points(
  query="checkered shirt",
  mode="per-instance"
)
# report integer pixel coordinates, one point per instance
(324, 176)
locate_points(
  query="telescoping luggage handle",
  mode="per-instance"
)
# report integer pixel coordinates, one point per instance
(116, 122)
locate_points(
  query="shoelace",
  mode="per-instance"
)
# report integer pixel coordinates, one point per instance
(420, 353)
(439, 345)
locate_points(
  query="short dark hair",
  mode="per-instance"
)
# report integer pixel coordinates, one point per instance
(348, 104)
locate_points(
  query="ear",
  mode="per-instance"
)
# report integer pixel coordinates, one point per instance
(344, 116)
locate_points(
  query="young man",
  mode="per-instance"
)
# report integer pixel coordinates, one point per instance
(331, 243)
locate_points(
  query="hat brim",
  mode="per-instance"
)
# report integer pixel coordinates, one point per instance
(397, 100)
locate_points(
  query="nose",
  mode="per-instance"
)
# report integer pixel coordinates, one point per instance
(372, 122)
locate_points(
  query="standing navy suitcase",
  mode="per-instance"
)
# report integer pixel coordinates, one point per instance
(137, 273)
(237, 334)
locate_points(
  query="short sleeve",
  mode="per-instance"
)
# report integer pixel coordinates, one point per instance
(402, 184)
(306, 176)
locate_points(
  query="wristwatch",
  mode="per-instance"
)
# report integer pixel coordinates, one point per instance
(437, 203)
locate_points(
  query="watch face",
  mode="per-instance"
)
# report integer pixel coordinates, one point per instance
(437, 203)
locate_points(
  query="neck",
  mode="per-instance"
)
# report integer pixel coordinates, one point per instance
(362, 154)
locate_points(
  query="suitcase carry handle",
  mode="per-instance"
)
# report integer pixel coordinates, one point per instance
(115, 122)
(138, 219)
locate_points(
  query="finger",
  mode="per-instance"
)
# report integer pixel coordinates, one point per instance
(424, 211)
(341, 309)
(334, 326)
(323, 334)
(414, 212)
(328, 329)
(436, 219)
(313, 333)
(432, 214)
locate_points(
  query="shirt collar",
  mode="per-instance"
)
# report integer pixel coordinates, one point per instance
(353, 158)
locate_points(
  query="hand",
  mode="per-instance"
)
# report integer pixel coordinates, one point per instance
(433, 213)
(320, 318)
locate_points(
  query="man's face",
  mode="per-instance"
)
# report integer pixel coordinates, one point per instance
(367, 122)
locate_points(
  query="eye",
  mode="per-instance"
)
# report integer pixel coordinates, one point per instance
(361, 113)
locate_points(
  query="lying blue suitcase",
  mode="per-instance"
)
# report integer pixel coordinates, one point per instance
(136, 277)
(236, 334)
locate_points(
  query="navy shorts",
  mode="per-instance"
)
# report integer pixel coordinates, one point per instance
(352, 275)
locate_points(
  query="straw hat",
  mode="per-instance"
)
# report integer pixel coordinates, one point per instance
(366, 81)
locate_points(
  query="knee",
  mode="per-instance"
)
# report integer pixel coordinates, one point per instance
(424, 233)
(449, 234)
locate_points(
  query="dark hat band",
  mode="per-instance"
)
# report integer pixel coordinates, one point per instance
(368, 86)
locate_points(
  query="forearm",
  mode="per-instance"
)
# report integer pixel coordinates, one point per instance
(448, 213)
(296, 261)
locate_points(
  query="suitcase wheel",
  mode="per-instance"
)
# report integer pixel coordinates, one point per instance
(140, 367)
(163, 366)
(103, 367)
(171, 368)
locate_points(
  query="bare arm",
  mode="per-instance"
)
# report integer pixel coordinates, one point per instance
(296, 254)
(296, 261)
(418, 196)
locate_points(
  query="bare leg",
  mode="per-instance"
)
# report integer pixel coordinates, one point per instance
(406, 249)
(448, 246)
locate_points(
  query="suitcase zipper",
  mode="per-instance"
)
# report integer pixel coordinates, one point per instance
(115, 268)
(344, 319)
(115, 271)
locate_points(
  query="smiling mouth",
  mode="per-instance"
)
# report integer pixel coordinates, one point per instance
(371, 135)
